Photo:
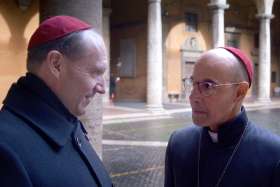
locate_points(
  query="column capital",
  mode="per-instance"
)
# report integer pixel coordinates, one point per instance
(218, 6)
(154, 1)
(265, 16)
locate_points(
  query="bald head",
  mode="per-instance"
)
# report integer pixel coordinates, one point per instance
(233, 67)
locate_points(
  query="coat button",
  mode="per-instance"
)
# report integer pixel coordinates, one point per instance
(78, 141)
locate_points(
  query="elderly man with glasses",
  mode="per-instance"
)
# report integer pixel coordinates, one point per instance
(224, 148)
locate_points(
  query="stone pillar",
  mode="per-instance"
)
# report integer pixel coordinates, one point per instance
(264, 72)
(164, 59)
(218, 7)
(91, 12)
(106, 36)
(154, 57)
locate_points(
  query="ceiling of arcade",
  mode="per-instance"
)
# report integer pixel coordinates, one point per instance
(10, 14)
(241, 14)
(132, 13)
(124, 11)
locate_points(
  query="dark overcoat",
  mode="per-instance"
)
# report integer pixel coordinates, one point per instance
(255, 163)
(42, 144)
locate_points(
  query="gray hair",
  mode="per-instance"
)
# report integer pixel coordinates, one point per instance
(240, 73)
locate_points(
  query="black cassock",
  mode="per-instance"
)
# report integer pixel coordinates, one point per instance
(244, 156)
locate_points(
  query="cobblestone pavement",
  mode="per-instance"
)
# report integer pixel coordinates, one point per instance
(134, 152)
(135, 165)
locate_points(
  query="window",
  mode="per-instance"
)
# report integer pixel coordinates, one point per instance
(191, 20)
(256, 40)
(127, 58)
(232, 39)
(273, 77)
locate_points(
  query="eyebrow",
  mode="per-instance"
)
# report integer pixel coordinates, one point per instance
(98, 70)
(205, 80)
(209, 80)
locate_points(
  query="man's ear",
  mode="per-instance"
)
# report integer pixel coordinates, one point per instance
(241, 91)
(54, 61)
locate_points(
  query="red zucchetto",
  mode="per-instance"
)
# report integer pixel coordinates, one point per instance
(248, 64)
(54, 28)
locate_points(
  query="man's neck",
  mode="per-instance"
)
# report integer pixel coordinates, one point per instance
(234, 114)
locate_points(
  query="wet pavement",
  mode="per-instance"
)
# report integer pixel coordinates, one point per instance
(134, 151)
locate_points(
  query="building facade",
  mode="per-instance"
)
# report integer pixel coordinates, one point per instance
(190, 27)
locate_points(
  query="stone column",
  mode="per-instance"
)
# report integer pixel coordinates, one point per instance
(106, 36)
(264, 70)
(154, 57)
(164, 59)
(264, 8)
(218, 7)
(91, 12)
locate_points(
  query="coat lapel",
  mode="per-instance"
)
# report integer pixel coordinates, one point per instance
(90, 157)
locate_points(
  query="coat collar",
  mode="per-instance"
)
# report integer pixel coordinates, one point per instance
(35, 103)
(230, 132)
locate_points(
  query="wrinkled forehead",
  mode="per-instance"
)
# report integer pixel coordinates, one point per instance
(216, 65)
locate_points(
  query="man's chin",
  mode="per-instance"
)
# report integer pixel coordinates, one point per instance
(82, 112)
(199, 122)
(82, 109)
(79, 112)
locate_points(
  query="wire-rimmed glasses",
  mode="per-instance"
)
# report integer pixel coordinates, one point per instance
(205, 88)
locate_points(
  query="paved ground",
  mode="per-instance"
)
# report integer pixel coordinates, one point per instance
(135, 165)
(136, 111)
(134, 150)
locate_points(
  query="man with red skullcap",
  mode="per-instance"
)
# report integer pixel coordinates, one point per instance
(42, 142)
(223, 149)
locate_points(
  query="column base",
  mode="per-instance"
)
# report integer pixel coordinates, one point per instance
(106, 102)
(263, 100)
(157, 109)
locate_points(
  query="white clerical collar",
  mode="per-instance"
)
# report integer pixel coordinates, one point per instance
(214, 136)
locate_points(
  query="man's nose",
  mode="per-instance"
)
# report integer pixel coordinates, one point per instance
(100, 86)
(195, 93)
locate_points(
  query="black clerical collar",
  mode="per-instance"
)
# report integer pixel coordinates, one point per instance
(230, 132)
(39, 87)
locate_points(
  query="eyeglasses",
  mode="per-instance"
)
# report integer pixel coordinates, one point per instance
(205, 88)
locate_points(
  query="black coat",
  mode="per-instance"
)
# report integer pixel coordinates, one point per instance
(42, 144)
(256, 162)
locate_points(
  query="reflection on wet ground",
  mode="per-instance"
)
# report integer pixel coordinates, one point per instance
(134, 152)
